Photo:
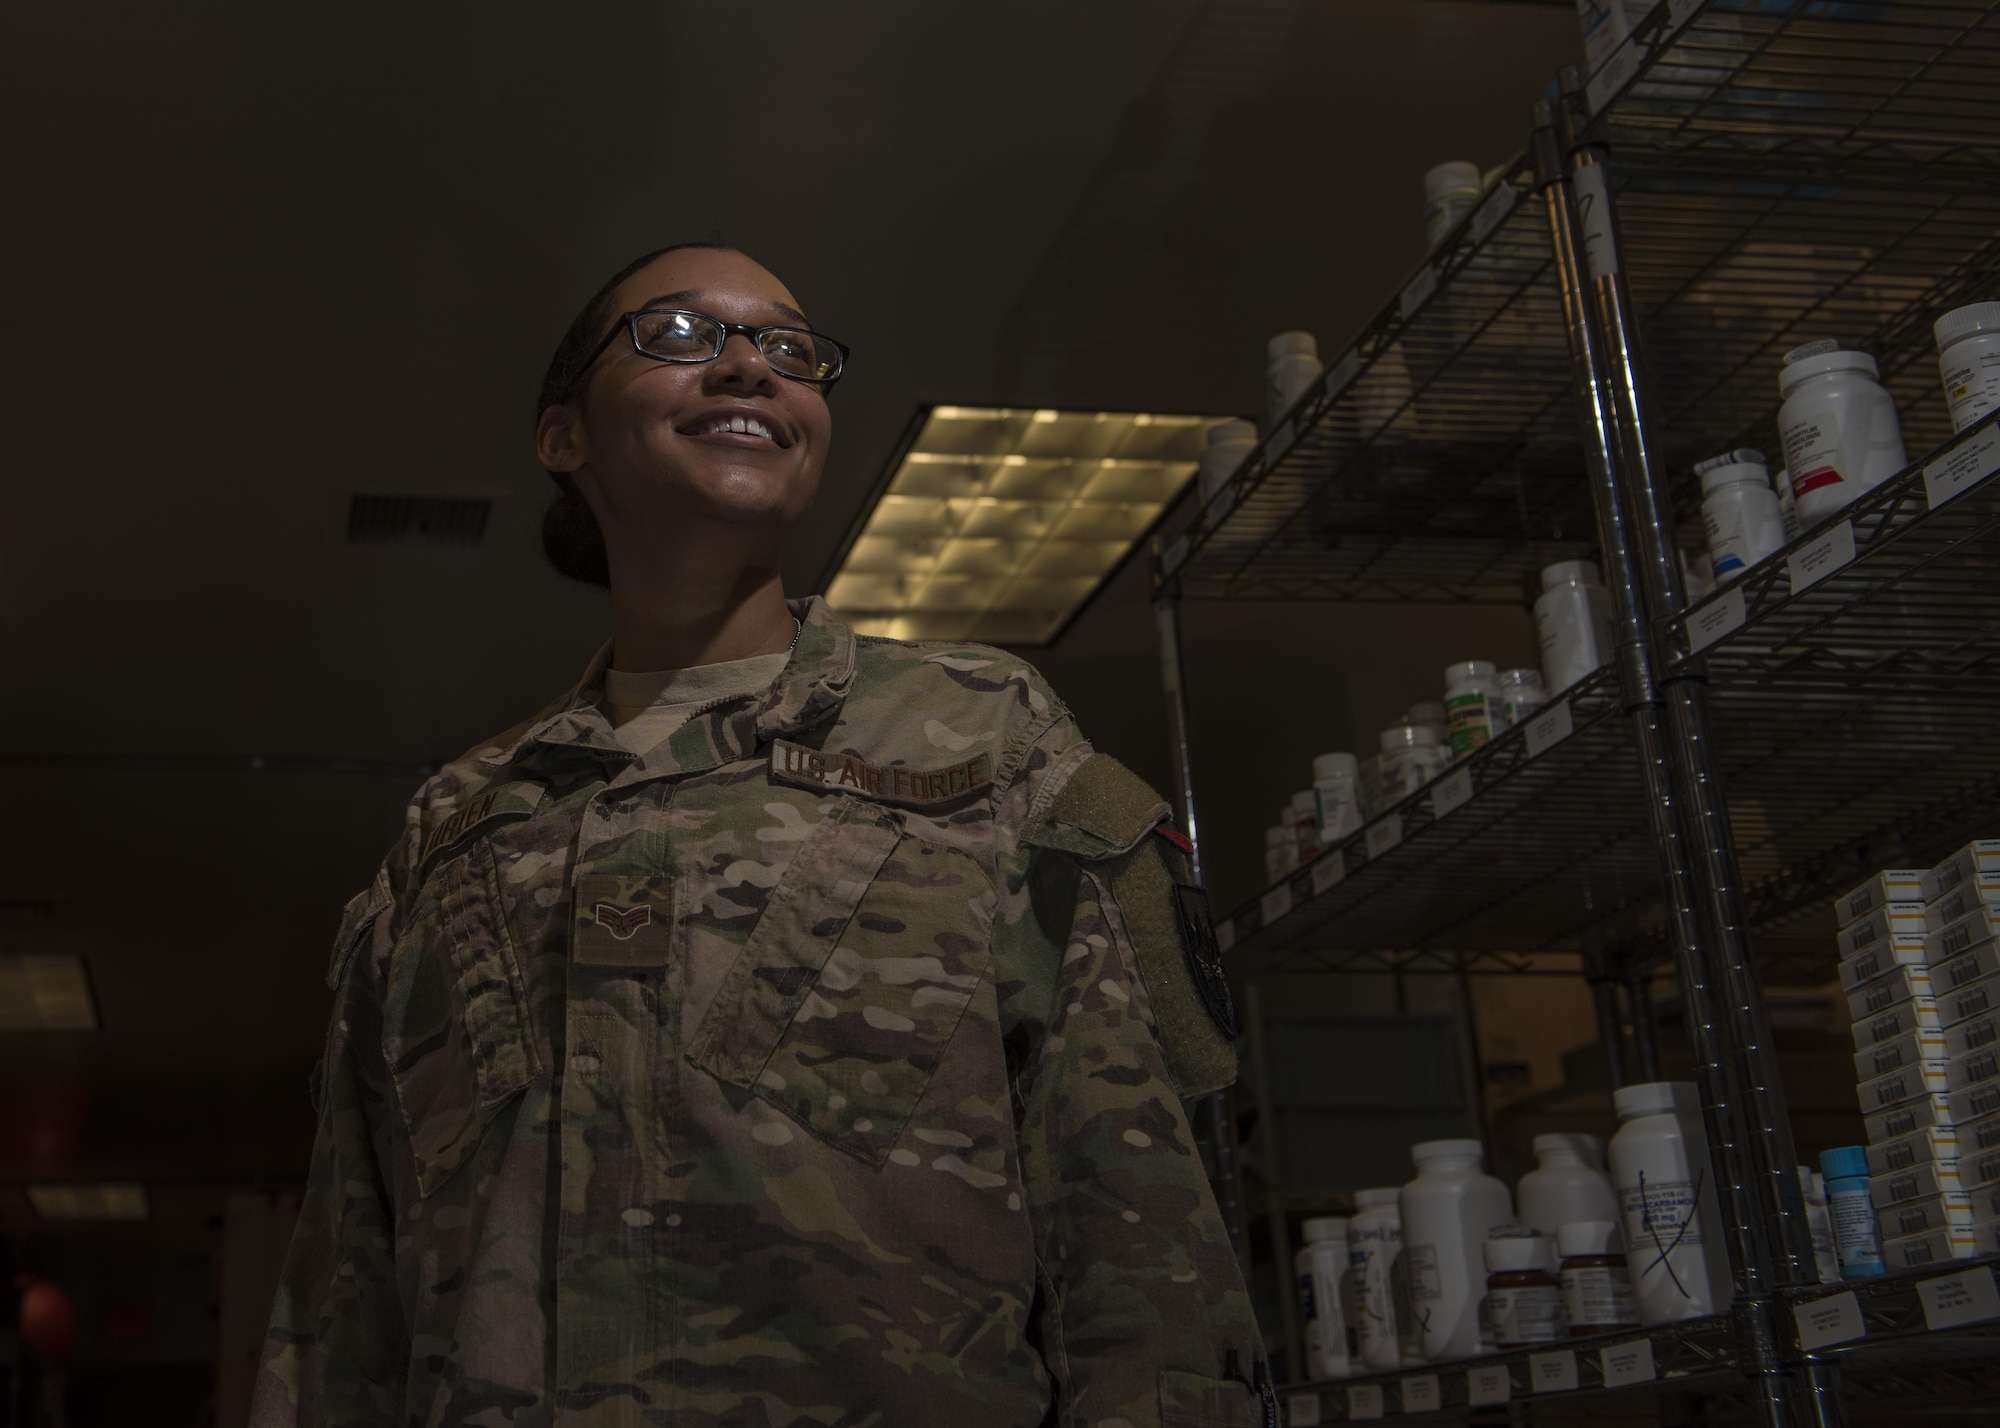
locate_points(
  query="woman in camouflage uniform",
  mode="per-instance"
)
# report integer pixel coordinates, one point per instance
(782, 1027)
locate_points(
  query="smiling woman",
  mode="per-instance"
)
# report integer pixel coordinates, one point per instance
(783, 1026)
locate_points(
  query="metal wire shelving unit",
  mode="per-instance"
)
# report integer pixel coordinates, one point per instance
(1743, 176)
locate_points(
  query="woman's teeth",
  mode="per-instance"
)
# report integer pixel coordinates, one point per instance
(749, 426)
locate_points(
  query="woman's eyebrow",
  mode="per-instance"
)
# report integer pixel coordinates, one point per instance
(692, 295)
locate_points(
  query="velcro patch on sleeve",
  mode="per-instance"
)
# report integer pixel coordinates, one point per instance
(1104, 809)
(1181, 965)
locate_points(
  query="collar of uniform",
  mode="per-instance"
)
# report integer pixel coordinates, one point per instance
(814, 684)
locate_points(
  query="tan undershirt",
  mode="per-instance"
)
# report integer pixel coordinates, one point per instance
(646, 708)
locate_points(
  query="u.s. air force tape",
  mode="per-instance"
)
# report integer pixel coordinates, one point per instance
(889, 783)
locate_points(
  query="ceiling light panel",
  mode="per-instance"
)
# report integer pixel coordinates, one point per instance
(999, 523)
(116, 1201)
(45, 991)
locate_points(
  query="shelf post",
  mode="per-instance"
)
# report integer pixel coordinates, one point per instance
(1572, 232)
(1610, 1030)
(1221, 1116)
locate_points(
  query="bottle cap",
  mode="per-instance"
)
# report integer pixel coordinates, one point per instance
(1822, 363)
(1470, 669)
(1428, 1152)
(1382, 1197)
(1813, 349)
(1292, 344)
(1587, 1148)
(1329, 1227)
(1227, 433)
(1408, 736)
(1452, 176)
(1844, 1162)
(1655, 1098)
(1962, 322)
(1589, 1237)
(1305, 803)
(1328, 767)
(1569, 572)
(1742, 455)
(1755, 473)
(1522, 678)
(1510, 1248)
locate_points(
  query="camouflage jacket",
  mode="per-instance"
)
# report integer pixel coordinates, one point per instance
(806, 1069)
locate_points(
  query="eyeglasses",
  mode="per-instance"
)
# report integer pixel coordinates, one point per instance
(671, 335)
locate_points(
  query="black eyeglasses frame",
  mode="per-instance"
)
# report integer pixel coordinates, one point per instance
(629, 324)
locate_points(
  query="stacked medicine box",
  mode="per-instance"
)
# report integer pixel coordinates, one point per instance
(1919, 962)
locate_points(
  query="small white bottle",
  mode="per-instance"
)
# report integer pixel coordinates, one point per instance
(1336, 786)
(1410, 759)
(1567, 1185)
(1448, 1212)
(1293, 367)
(1229, 445)
(1672, 1217)
(1382, 1328)
(1451, 190)
(1968, 340)
(1472, 705)
(1431, 715)
(1840, 428)
(1322, 1268)
(1739, 512)
(1573, 623)
(1819, 1221)
(1305, 824)
(1788, 509)
(1281, 852)
(1522, 694)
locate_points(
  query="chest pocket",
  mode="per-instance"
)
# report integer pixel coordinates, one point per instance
(842, 1001)
(455, 1029)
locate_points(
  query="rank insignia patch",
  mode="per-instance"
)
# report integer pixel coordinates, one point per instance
(1204, 956)
(621, 923)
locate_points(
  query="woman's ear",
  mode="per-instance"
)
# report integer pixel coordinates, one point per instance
(561, 442)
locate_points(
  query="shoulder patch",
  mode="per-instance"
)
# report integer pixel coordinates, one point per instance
(1103, 809)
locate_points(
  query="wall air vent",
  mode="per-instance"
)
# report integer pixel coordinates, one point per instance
(384, 519)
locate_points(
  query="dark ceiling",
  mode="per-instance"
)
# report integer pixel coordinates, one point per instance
(261, 258)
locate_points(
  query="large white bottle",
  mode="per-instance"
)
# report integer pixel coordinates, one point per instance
(1672, 1218)
(1567, 1186)
(1323, 1273)
(1382, 1328)
(1447, 1212)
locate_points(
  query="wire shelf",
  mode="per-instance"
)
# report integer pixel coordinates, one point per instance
(1842, 85)
(1439, 458)
(1856, 722)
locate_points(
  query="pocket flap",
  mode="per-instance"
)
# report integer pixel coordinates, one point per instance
(357, 919)
(808, 910)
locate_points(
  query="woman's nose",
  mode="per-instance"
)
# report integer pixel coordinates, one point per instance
(741, 364)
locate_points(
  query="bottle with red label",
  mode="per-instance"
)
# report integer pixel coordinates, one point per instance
(1839, 425)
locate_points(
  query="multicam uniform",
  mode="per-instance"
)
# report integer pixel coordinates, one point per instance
(822, 1064)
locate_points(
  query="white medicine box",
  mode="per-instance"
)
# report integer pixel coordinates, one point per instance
(1916, 1014)
(1982, 924)
(1936, 1247)
(1920, 1113)
(1893, 885)
(1872, 927)
(1902, 949)
(1982, 855)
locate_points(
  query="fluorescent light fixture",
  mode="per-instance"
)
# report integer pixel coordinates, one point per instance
(999, 524)
(115, 1201)
(45, 991)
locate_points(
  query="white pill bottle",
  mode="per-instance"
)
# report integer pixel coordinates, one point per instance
(1448, 1211)
(1382, 1330)
(1292, 367)
(1839, 426)
(1671, 1214)
(1567, 1185)
(1229, 445)
(1968, 340)
(1574, 623)
(1323, 1270)
(1739, 512)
